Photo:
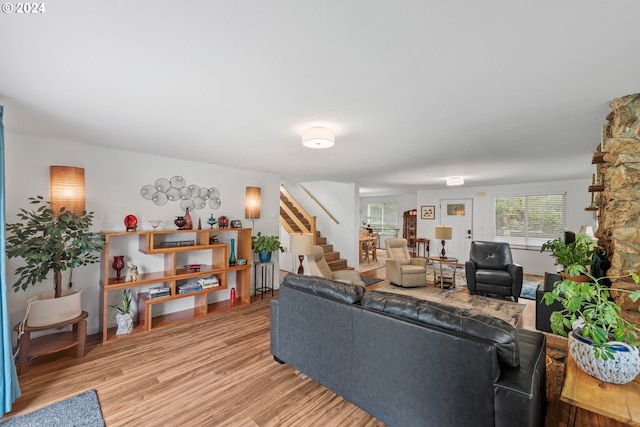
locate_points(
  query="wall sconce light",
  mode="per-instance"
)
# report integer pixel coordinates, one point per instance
(252, 203)
(301, 244)
(443, 232)
(66, 189)
(318, 137)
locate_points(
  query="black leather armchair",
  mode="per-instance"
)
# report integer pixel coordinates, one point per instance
(491, 270)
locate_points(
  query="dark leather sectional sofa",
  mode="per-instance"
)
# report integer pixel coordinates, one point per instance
(406, 361)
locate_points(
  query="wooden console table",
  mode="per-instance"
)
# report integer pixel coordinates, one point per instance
(30, 348)
(616, 401)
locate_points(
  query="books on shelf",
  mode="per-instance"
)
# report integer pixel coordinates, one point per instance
(189, 287)
(158, 291)
(209, 282)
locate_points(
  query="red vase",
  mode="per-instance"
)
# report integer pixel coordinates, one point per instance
(232, 298)
(118, 265)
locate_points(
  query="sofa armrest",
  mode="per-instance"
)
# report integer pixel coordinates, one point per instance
(470, 272)
(352, 276)
(515, 270)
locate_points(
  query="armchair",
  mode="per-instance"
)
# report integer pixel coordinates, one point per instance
(318, 267)
(402, 270)
(491, 270)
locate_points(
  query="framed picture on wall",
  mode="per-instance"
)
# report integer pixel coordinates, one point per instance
(428, 212)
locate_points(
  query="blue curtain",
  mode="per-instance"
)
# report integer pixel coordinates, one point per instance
(10, 389)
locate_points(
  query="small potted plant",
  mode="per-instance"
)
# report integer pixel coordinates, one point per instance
(578, 254)
(124, 316)
(602, 343)
(265, 245)
(51, 242)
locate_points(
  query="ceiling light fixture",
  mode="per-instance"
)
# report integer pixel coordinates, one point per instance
(455, 180)
(318, 137)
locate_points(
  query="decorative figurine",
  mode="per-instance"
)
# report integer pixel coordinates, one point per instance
(211, 221)
(132, 273)
(131, 222)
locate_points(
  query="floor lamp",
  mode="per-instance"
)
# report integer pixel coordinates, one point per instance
(301, 245)
(443, 232)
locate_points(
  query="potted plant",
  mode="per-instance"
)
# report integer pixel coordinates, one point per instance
(265, 245)
(124, 316)
(578, 253)
(602, 343)
(49, 242)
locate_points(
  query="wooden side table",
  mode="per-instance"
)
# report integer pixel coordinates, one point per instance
(615, 401)
(425, 247)
(29, 348)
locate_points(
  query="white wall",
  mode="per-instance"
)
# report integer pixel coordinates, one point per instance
(533, 262)
(113, 181)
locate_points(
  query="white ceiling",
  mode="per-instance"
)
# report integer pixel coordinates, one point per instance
(496, 91)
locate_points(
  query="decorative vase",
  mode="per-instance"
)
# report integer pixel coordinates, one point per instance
(232, 257)
(621, 369)
(265, 256)
(582, 278)
(189, 223)
(118, 265)
(211, 221)
(180, 222)
(232, 297)
(125, 323)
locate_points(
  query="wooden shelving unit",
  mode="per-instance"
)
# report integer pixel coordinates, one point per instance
(169, 244)
(410, 227)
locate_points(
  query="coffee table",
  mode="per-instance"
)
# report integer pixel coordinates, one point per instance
(441, 261)
(615, 401)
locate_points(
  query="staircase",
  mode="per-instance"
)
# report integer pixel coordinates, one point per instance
(294, 220)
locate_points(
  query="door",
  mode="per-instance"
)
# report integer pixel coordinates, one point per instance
(458, 214)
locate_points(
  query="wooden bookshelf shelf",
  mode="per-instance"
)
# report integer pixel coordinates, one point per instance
(168, 244)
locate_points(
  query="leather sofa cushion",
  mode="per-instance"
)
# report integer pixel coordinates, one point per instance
(450, 318)
(326, 288)
(494, 277)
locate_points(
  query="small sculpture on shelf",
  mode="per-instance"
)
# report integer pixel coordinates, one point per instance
(132, 272)
(223, 222)
(212, 221)
(180, 222)
(131, 222)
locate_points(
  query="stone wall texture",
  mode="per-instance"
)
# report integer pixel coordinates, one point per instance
(619, 203)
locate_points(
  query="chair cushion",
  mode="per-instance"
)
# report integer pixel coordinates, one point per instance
(326, 288)
(412, 269)
(494, 277)
(450, 318)
(491, 255)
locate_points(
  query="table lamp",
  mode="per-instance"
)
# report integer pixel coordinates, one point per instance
(301, 245)
(443, 232)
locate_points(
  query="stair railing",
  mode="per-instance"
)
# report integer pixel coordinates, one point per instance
(301, 226)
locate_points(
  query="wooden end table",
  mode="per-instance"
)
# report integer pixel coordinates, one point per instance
(445, 260)
(30, 348)
(616, 401)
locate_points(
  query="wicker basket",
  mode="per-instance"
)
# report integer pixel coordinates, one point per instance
(623, 368)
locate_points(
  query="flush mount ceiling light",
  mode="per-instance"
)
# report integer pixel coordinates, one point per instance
(318, 137)
(455, 180)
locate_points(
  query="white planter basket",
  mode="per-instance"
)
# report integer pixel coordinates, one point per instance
(44, 310)
(125, 323)
(623, 368)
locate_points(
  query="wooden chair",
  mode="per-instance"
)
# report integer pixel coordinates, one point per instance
(364, 244)
(372, 246)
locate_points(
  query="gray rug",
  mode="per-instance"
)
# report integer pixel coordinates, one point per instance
(82, 410)
(529, 289)
(459, 297)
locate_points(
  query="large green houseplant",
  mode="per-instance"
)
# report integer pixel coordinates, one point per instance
(265, 245)
(49, 242)
(597, 331)
(577, 253)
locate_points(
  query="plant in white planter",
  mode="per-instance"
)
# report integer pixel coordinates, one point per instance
(124, 318)
(602, 343)
(48, 242)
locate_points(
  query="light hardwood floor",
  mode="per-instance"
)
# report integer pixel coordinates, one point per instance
(216, 371)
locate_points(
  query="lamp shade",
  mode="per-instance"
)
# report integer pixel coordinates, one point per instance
(301, 244)
(586, 230)
(443, 232)
(318, 137)
(252, 203)
(66, 189)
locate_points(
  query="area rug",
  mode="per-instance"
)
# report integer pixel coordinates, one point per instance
(459, 297)
(529, 289)
(370, 280)
(81, 410)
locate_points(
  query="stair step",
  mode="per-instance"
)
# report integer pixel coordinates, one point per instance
(332, 256)
(340, 264)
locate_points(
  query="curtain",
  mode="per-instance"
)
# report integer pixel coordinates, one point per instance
(10, 389)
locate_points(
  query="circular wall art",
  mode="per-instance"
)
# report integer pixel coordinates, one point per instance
(175, 189)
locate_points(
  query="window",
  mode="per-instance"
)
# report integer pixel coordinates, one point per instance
(529, 221)
(383, 217)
